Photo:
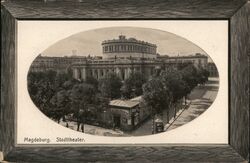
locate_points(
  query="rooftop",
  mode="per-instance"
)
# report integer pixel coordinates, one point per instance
(123, 38)
(138, 98)
(124, 103)
(197, 55)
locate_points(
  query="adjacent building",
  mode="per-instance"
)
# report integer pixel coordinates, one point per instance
(128, 114)
(211, 67)
(198, 59)
(121, 56)
(59, 64)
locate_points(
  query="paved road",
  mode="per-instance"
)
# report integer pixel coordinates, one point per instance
(94, 130)
(201, 98)
(144, 129)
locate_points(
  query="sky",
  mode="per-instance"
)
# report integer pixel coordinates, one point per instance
(89, 42)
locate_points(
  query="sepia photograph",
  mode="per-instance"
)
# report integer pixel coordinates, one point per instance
(123, 81)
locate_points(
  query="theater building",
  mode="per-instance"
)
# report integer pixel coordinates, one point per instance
(130, 48)
(121, 56)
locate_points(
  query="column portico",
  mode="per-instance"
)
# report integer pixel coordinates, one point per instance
(129, 72)
(83, 73)
(75, 73)
(98, 73)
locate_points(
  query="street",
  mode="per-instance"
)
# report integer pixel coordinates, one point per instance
(201, 98)
(198, 102)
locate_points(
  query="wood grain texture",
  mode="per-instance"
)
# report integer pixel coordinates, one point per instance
(239, 106)
(240, 97)
(65, 9)
(8, 88)
(126, 154)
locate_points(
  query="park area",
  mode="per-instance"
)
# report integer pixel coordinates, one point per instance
(110, 106)
(198, 102)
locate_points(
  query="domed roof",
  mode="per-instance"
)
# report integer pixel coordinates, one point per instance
(132, 39)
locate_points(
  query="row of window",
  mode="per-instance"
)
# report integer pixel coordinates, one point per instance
(99, 73)
(58, 61)
(128, 48)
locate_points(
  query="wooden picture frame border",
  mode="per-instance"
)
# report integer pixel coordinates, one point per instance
(236, 12)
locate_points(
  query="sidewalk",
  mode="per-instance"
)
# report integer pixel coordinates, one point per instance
(173, 119)
(93, 130)
(201, 98)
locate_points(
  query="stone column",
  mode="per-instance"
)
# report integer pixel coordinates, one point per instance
(118, 72)
(129, 71)
(75, 73)
(104, 72)
(98, 74)
(94, 73)
(125, 73)
(109, 71)
(83, 73)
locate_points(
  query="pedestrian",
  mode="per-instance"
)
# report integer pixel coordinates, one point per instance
(67, 125)
(82, 127)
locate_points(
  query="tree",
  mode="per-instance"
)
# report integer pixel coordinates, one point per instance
(156, 96)
(133, 85)
(68, 85)
(91, 80)
(36, 79)
(110, 86)
(60, 79)
(181, 66)
(203, 75)
(101, 103)
(177, 87)
(41, 89)
(189, 75)
(33, 79)
(81, 96)
(60, 105)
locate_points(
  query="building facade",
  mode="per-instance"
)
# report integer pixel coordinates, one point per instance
(122, 67)
(59, 64)
(128, 114)
(211, 67)
(122, 56)
(124, 48)
(198, 60)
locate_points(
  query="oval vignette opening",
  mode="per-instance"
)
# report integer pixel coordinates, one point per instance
(117, 81)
